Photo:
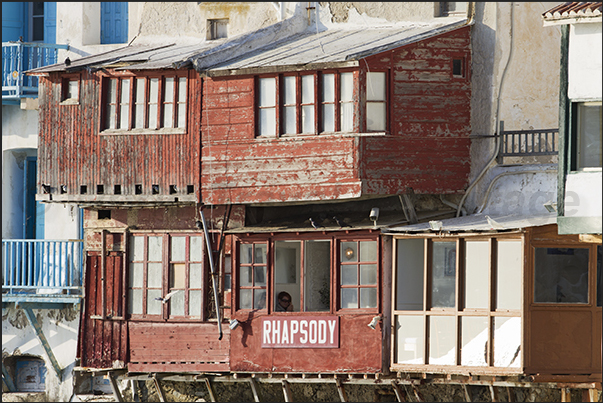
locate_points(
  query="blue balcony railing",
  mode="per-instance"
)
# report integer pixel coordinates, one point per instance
(42, 270)
(18, 57)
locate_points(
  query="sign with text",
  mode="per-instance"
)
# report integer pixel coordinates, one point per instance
(300, 331)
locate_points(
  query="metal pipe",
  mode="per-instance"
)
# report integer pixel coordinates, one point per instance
(213, 271)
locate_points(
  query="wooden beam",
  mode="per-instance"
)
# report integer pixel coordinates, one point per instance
(418, 394)
(590, 395)
(510, 394)
(210, 390)
(256, 392)
(115, 388)
(494, 393)
(134, 385)
(399, 396)
(342, 395)
(408, 208)
(566, 395)
(38, 330)
(286, 391)
(159, 391)
(467, 390)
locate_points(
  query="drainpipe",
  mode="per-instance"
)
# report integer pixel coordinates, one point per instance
(311, 6)
(497, 117)
(214, 275)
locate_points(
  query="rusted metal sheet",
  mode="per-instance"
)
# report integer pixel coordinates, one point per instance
(359, 349)
(74, 154)
(173, 347)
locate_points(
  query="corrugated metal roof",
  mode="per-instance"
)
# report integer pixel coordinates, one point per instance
(301, 50)
(310, 49)
(573, 10)
(479, 223)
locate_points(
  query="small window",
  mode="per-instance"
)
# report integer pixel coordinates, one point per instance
(307, 104)
(358, 274)
(588, 135)
(267, 106)
(37, 21)
(376, 113)
(446, 9)
(217, 29)
(561, 275)
(71, 90)
(458, 67)
(252, 275)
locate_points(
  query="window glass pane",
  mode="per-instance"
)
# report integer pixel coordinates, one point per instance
(477, 267)
(410, 340)
(245, 276)
(177, 248)
(135, 302)
(245, 298)
(349, 252)
(368, 274)
(178, 275)
(168, 115)
(328, 88)
(181, 115)
(375, 116)
(136, 275)
(154, 275)
(259, 275)
(475, 341)
(589, 135)
(368, 251)
(153, 102)
(195, 275)
(153, 305)
(328, 118)
(287, 262)
(154, 90)
(409, 274)
(111, 110)
(260, 252)
(308, 119)
(140, 90)
(124, 116)
(152, 116)
(125, 91)
(259, 299)
(561, 275)
(155, 248)
(442, 340)
(137, 248)
(176, 304)
(196, 249)
(307, 89)
(508, 275)
(182, 89)
(347, 117)
(368, 298)
(169, 90)
(349, 275)
(290, 120)
(268, 122)
(347, 87)
(112, 91)
(349, 298)
(139, 116)
(375, 86)
(74, 89)
(139, 108)
(194, 303)
(267, 92)
(507, 342)
(245, 253)
(443, 274)
(290, 98)
(317, 276)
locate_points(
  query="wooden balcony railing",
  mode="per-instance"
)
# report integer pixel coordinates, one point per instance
(526, 143)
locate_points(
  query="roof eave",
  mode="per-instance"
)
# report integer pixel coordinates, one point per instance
(278, 69)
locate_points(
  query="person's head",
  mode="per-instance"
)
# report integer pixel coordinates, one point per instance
(284, 299)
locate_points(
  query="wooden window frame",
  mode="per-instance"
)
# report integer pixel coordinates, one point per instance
(135, 81)
(385, 102)
(65, 98)
(358, 263)
(166, 264)
(237, 287)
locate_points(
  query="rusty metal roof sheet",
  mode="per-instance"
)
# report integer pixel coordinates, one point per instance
(566, 12)
(478, 223)
(245, 52)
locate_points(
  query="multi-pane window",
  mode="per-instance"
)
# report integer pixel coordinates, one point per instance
(166, 276)
(315, 275)
(376, 101)
(307, 104)
(145, 103)
(267, 106)
(588, 135)
(458, 302)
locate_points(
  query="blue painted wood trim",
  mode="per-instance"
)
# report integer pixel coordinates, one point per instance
(38, 329)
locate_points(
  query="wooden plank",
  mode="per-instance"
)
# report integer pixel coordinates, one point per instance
(210, 390)
(255, 389)
(177, 367)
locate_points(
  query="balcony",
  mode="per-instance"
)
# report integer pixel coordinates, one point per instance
(528, 146)
(17, 58)
(42, 271)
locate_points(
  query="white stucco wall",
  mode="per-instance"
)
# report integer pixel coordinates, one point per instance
(584, 64)
(583, 194)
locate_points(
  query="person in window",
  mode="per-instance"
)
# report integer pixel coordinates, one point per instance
(284, 302)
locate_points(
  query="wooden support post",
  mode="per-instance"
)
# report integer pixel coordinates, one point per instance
(566, 395)
(510, 394)
(467, 390)
(210, 390)
(342, 395)
(159, 391)
(115, 388)
(398, 392)
(417, 393)
(494, 393)
(287, 391)
(590, 395)
(38, 330)
(134, 385)
(256, 392)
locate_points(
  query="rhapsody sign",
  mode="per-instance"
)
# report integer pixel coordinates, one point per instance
(300, 332)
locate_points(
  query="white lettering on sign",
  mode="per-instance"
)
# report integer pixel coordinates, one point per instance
(300, 332)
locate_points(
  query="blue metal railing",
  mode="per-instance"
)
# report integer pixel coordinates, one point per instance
(42, 267)
(18, 57)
